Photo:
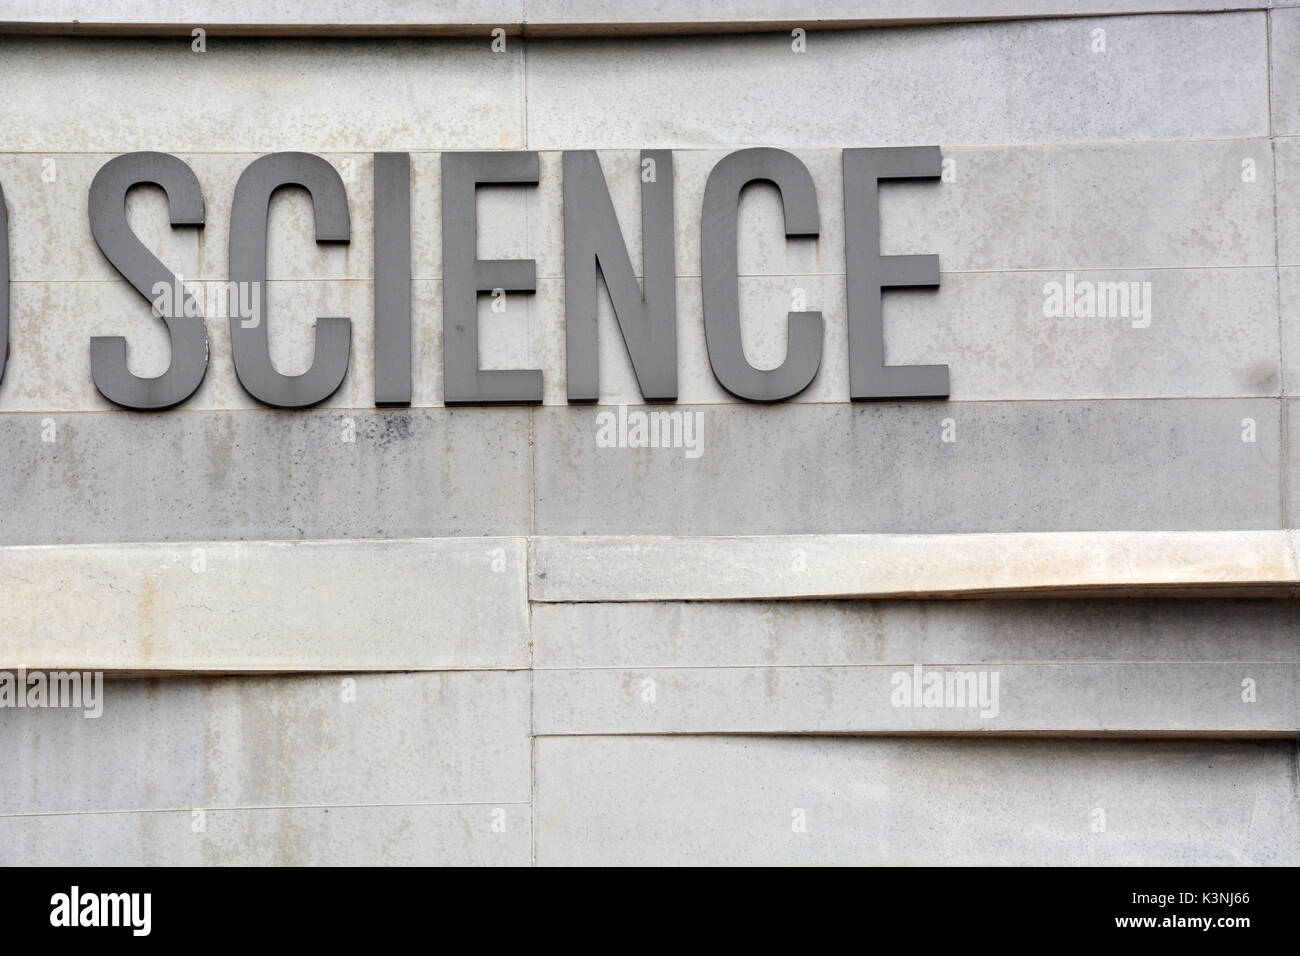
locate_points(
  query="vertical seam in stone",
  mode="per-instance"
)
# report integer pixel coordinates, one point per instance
(523, 82)
(532, 489)
(532, 739)
(1284, 417)
(1285, 414)
(532, 480)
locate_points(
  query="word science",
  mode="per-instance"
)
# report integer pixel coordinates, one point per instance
(594, 247)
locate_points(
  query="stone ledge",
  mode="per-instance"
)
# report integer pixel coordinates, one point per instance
(1110, 564)
(442, 604)
(265, 606)
(553, 18)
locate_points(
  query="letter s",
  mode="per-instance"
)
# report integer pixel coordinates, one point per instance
(141, 268)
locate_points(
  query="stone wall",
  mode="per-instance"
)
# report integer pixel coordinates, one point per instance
(477, 635)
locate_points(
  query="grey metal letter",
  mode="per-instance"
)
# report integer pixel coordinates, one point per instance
(869, 273)
(593, 240)
(141, 268)
(392, 278)
(248, 227)
(464, 276)
(718, 267)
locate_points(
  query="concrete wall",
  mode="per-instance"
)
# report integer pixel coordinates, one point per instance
(473, 635)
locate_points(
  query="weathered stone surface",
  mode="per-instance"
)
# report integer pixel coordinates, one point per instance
(1015, 466)
(1147, 699)
(441, 835)
(1284, 32)
(246, 742)
(448, 603)
(343, 94)
(828, 633)
(1035, 467)
(1288, 201)
(733, 800)
(647, 568)
(1289, 303)
(187, 476)
(1160, 78)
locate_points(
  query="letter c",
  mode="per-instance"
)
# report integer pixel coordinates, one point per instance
(248, 222)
